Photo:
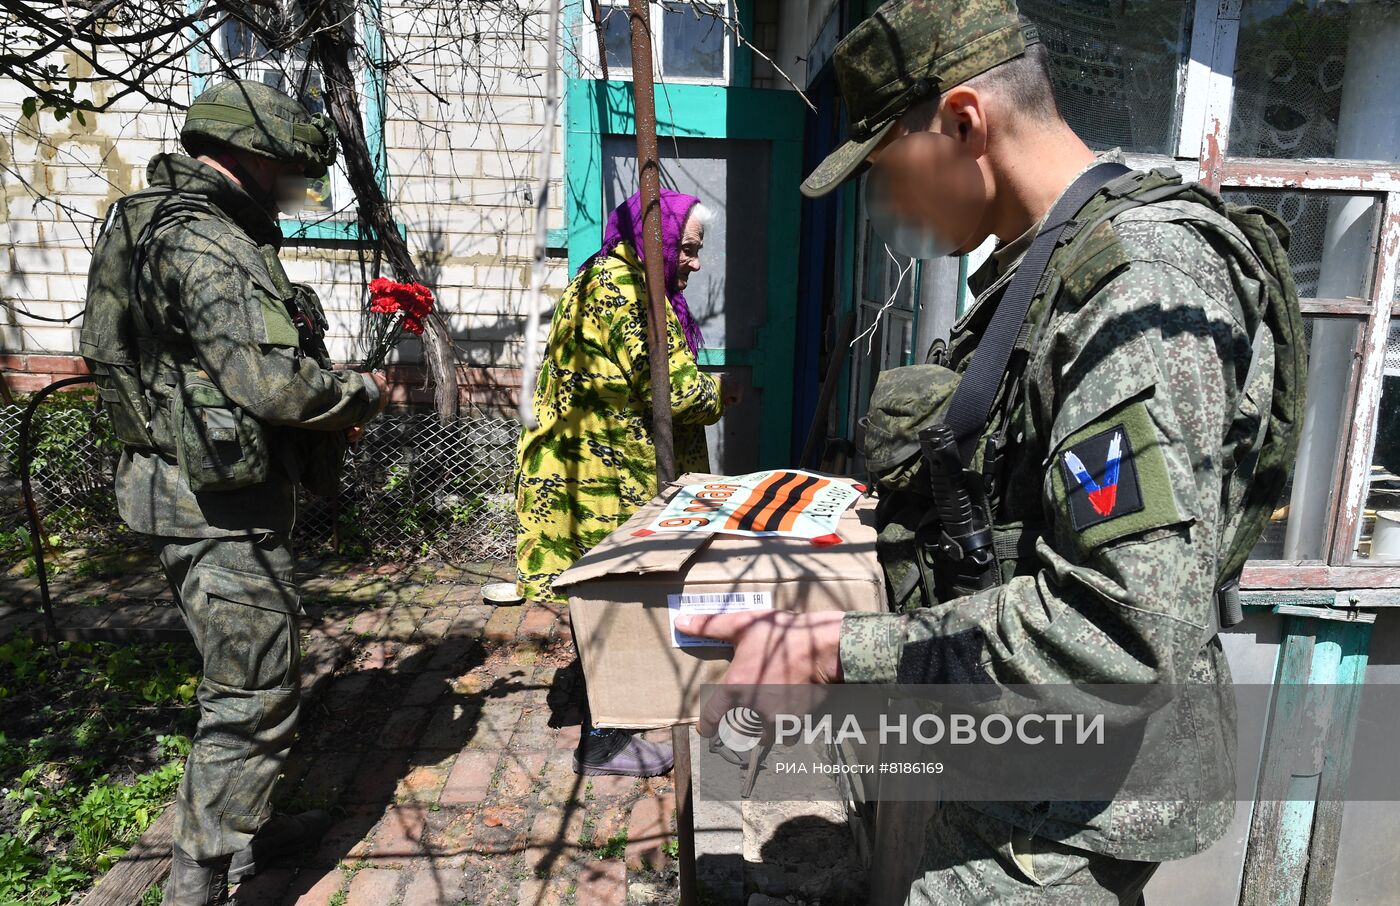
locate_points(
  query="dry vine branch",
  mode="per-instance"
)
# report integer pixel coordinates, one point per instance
(333, 48)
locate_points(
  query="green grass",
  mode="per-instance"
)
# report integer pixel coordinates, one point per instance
(93, 739)
(615, 848)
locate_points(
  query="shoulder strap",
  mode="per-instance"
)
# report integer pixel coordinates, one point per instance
(972, 402)
(175, 208)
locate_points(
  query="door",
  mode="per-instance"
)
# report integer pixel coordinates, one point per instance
(739, 151)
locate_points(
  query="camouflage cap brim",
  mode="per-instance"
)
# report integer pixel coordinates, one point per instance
(843, 163)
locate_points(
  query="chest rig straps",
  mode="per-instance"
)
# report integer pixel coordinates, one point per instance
(969, 549)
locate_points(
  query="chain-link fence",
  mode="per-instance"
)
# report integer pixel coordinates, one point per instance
(413, 487)
(11, 506)
(72, 457)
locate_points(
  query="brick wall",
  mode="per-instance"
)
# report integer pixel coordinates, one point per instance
(28, 373)
(463, 124)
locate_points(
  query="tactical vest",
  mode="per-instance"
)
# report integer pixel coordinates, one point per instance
(148, 377)
(1258, 449)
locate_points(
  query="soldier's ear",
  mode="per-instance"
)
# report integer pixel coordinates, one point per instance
(963, 115)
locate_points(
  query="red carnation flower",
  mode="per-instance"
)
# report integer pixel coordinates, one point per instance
(407, 304)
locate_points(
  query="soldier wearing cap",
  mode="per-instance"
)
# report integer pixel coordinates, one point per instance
(1139, 360)
(213, 367)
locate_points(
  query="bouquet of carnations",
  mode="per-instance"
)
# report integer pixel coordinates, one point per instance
(402, 307)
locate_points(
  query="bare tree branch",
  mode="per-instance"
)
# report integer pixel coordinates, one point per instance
(333, 50)
(467, 75)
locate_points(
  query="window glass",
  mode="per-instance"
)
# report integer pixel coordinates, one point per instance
(885, 326)
(873, 267)
(693, 41)
(617, 38)
(1380, 518)
(1332, 238)
(689, 39)
(888, 277)
(240, 42)
(903, 351)
(245, 56)
(1315, 78)
(1298, 529)
(1118, 67)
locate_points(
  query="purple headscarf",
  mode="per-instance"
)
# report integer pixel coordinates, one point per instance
(625, 225)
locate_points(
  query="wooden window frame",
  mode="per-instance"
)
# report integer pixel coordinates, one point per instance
(1205, 125)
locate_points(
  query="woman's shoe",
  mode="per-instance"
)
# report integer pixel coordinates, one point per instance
(619, 752)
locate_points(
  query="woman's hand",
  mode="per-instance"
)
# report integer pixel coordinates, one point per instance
(731, 392)
(381, 383)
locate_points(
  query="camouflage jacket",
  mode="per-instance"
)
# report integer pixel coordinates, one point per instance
(1147, 365)
(214, 290)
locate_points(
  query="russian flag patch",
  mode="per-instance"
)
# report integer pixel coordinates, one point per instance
(1101, 478)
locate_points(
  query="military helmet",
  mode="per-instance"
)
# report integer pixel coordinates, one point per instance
(257, 118)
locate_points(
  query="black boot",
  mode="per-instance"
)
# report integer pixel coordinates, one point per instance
(281, 836)
(196, 883)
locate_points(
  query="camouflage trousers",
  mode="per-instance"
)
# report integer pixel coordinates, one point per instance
(239, 599)
(971, 859)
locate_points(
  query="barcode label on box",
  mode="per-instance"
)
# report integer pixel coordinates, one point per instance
(727, 602)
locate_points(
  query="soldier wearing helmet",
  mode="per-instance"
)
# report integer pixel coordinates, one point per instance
(213, 367)
(266, 140)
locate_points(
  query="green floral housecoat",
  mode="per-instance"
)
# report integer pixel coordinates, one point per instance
(591, 462)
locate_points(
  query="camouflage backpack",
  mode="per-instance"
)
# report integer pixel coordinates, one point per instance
(1260, 445)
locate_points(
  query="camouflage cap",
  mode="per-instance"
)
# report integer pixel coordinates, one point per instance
(257, 118)
(906, 51)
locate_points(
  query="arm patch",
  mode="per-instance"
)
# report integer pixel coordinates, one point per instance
(1101, 477)
(1110, 479)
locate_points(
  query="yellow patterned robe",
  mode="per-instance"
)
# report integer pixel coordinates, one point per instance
(591, 462)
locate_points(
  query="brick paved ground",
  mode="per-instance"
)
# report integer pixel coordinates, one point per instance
(443, 748)
(441, 744)
(439, 731)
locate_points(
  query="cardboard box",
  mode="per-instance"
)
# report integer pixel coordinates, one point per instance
(622, 595)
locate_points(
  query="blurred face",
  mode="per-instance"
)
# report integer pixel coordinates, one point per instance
(692, 241)
(926, 192)
(282, 183)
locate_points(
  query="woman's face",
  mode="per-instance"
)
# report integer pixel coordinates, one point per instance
(692, 241)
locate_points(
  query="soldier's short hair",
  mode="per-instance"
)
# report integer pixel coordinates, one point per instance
(1023, 84)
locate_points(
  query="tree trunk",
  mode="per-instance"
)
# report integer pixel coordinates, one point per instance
(332, 49)
(649, 179)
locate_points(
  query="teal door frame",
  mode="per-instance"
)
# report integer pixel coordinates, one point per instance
(594, 109)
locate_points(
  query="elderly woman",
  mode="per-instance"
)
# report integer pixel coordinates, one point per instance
(591, 463)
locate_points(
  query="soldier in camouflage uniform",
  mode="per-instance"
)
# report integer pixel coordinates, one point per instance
(213, 366)
(951, 102)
